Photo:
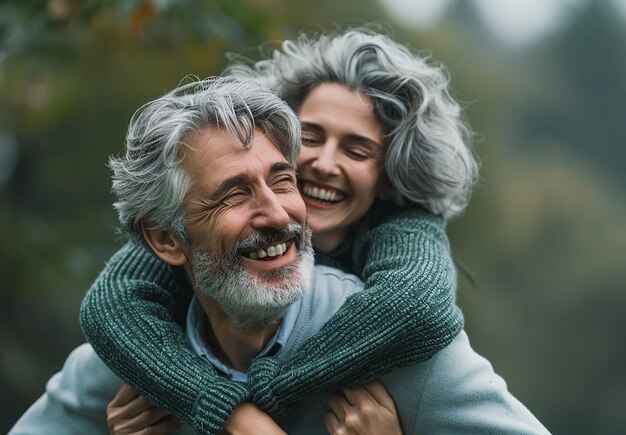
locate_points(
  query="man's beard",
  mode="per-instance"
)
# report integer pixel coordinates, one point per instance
(249, 300)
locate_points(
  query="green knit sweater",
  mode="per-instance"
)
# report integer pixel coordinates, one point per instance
(133, 313)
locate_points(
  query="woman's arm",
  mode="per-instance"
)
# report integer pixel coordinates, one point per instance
(405, 314)
(132, 316)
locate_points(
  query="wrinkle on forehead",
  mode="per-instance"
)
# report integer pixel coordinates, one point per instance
(213, 157)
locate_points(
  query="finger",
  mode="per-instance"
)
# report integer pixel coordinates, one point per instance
(378, 391)
(356, 395)
(147, 418)
(124, 395)
(136, 407)
(338, 404)
(332, 423)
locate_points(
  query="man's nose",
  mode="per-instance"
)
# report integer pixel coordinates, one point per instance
(325, 162)
(270, 212)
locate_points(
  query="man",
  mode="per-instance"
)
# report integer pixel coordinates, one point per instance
(214, 193)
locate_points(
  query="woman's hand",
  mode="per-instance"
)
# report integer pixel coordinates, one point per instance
(249, 419)
(130, 413)
(367, 409)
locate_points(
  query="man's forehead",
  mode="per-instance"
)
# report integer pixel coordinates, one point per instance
(215, 156)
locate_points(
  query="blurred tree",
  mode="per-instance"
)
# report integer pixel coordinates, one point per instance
(585, 86)
(545, 232)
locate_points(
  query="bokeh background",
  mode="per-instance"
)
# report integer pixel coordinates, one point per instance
(544, 86)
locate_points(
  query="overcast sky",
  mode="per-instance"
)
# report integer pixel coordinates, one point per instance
(514, 22)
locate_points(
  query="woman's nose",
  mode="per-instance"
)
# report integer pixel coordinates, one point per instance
(325, 162)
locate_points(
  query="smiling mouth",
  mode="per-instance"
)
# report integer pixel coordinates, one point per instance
(268, 252)
(321, 194)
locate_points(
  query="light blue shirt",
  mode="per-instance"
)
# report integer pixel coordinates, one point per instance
(195, 333)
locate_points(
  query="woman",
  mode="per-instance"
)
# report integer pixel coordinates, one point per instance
(384, 164)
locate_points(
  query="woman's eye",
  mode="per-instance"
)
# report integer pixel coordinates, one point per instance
(358, 153)
(311, 141)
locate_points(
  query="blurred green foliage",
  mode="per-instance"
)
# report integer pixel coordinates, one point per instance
(544, 237)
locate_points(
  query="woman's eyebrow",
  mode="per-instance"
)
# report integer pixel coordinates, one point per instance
(366, 141)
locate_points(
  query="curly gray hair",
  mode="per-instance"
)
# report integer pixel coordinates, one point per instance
(148, 180)
(428, 156)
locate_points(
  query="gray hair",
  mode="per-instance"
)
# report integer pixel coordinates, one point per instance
(428, 156)
(148, 179)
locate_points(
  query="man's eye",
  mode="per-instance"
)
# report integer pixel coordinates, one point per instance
(284, 183)
(235, 197)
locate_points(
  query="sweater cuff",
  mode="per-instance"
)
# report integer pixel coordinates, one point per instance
(261, 375)
(214, 408)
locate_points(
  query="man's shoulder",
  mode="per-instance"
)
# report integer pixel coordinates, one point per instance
(457, 390)
(75, 399)
(84, 382)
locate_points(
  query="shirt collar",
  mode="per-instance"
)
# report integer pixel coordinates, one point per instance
(194, 332)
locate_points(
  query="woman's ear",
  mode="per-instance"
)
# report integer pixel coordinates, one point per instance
(164, 244)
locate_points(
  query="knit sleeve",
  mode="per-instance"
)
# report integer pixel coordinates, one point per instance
(132, 317)
(405, 314)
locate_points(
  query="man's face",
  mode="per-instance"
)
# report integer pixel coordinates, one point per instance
(245, 220)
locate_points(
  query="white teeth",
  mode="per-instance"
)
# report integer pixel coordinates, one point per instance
(271, 251)
(323, 194)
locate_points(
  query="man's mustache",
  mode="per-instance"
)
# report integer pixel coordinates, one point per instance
(264, 238)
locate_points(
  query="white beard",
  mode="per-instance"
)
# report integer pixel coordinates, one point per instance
(247, 299)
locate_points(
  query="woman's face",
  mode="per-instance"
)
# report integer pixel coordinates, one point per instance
(339, 167)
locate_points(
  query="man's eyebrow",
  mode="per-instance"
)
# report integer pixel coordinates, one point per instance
(226, 185)
(282, 166)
